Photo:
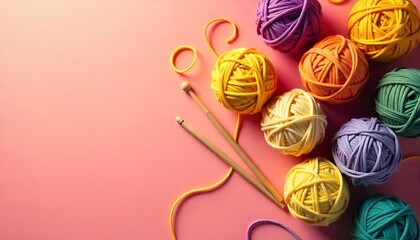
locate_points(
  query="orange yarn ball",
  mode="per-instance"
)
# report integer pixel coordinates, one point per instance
(384, 30)
(334, 70)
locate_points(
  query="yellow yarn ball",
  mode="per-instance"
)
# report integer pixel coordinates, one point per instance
(384, 30)
(293, 123)
(315, 192)
(243, 80)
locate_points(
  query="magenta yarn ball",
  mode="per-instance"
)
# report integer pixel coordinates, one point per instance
(288, 26)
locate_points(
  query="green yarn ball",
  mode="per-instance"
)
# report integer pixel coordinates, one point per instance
(398, 101)
(385, 217)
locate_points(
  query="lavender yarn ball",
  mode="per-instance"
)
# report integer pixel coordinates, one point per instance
(288, 26)
(367, 151)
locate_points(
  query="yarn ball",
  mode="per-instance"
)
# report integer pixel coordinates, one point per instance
(316, 192)
(288, 26)
(293, 123)
(385, 217)
(243, 80)
(367, 151)
(384, 30)
(398, 101)
(334, 70)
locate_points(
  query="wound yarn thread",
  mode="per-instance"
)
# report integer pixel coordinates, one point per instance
(334, 70)
(316, 192)
(288, 26)
(367, 151)
(243, 80)
(293, 123)
(384, 217)
(385, 30)
(398, 101)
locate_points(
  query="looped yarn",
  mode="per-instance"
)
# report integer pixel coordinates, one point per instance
(367, 151)
(230, 39)
(398, 101)
(293, 123)
(288, 26)
(243, 80)
(384, 30)
(271, 222)
(334, 70)
(177, 51)
(385, 217)
(315, 192)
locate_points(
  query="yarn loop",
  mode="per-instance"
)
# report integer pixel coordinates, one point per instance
(293, 123)
(315, 192)
(288, 26)
(385, 217)
(384, 30)
(398, 101)
(243, 80)
(334, 70)
(367, 151)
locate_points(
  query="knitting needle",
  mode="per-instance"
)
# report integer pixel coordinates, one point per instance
(186, 86)
(228, 160)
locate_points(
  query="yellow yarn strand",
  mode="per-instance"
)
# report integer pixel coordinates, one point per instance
(177, 51)
(229, 40)
(384, 30)
(178, 202)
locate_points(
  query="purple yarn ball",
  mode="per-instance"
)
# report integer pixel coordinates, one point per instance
(288, 25)
(367, 151)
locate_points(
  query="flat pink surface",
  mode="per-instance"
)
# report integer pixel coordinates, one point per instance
(89, 148)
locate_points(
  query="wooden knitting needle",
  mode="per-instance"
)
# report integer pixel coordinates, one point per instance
(228, 161)
(186, 86)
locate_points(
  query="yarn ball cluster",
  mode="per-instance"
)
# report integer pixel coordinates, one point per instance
(367, 151)
(293, 123)
(243, 80)
(334, 70)
(398, 101)
(384, 30)
(288, 26)
(385, 217)
(316, 192)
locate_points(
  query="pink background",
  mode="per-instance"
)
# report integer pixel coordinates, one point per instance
(89, 148)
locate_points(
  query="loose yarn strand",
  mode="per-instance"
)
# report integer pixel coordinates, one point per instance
(181, 199)
(336, 1)
(238, 126)
(229, 40)
(266, 222)
(411, 158)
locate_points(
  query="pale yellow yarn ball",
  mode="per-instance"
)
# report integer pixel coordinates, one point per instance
(316, 192)
(243, 80)
(385, 30)
(293, 123)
